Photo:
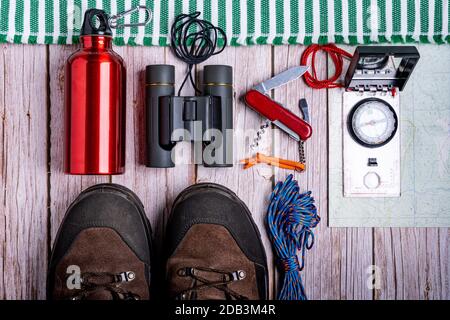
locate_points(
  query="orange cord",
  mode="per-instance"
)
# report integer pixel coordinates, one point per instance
(335, 54)
(273, 161)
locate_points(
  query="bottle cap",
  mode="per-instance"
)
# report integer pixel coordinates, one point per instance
(95, 23)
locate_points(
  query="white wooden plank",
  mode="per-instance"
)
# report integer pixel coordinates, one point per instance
(157, 188)
(145, 182)
(355, 248)
(336, 266)
(23, 197)
(183, 175)
(63, 188)
(2, 176)
(413, 263)
(356, 255)
(253, 186)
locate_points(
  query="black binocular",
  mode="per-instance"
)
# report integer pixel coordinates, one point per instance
(206, 120)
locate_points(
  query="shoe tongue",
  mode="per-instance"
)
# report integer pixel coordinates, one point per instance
(100, 295)
(101, 279)
(103, 288)
(209, 293)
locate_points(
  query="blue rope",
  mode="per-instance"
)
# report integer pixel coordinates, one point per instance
(290, 217)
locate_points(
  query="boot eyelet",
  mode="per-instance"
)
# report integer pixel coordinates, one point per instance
(241, 274)
(131, 275)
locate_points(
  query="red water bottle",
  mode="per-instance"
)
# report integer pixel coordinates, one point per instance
(95, 102)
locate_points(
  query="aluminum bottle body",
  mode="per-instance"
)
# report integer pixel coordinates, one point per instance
(95, 109)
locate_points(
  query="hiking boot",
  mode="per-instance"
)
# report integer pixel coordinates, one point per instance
(102, 250)
(214, 249)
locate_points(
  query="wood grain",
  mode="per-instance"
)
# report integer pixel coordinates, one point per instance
(63, 188)
(413, 263)
(24, 189)
(254, 185)
(157, 188)
(3, 176)
(336, 266)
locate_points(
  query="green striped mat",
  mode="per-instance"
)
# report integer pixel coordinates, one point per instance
(246, 22)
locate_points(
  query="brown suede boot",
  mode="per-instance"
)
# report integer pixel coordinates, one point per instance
(102, 250)
(214, 249)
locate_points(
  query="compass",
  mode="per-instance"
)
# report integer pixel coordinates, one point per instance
(372, 122)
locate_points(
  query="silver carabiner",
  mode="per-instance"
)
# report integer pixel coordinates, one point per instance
(113, 19)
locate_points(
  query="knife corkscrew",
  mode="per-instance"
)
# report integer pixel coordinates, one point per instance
(259, 134)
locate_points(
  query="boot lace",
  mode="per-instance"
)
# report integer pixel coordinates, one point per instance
(93, 282)
(200, 283)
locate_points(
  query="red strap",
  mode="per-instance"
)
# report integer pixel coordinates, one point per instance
(336, 55)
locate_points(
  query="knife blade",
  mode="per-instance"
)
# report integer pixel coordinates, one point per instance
(281, 78)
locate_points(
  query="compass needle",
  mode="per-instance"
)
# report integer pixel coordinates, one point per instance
(373, 123)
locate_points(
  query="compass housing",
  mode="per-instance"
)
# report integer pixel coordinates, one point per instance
(357, 136)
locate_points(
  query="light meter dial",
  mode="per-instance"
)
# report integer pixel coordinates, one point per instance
(372, 122)
(373, 62)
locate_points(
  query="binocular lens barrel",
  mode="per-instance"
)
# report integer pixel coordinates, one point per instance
(218, 82)
(218, 75)
(159, 82)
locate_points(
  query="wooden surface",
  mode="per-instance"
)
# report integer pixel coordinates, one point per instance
(410, 263)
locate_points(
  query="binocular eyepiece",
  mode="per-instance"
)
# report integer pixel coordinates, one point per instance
(206, 120)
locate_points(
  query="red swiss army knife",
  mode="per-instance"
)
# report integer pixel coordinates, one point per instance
(258, 99)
